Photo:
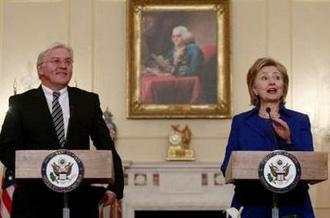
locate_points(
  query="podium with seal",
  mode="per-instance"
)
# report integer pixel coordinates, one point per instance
(279, 171)
(63, 170)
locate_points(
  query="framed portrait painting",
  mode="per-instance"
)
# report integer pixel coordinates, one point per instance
(178, 59)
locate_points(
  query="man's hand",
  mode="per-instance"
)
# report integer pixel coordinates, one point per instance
(109, 198)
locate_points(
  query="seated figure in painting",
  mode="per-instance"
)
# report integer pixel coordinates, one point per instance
(175, 77)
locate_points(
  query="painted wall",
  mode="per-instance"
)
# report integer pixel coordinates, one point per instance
(291, 31)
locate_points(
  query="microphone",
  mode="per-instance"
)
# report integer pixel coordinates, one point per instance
(275, 145)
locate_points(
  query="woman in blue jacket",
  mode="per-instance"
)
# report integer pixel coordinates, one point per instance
(253, 130)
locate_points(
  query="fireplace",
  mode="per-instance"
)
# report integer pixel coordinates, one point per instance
(175, 189)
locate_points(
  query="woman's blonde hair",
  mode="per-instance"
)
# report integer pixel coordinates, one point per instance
(256, 67)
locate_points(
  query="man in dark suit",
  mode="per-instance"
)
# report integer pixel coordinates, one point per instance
(29, 125)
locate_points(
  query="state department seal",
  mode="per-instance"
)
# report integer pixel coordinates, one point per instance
(62, 171)
(279, 171)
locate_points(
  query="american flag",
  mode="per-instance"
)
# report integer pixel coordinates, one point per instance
(8, 187)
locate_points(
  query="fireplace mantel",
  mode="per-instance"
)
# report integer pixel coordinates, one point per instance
(174, 185)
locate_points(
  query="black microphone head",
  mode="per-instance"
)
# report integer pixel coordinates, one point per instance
(268, 110)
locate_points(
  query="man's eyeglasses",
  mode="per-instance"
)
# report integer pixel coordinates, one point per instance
(58, 61)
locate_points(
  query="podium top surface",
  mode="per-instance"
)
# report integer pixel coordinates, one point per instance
(97, 164)
(244, 165)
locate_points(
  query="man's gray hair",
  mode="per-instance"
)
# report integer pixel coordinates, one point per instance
(42, 55)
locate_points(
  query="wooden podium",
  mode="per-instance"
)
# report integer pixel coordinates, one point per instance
(97, 164)
(244, 165)
(98, 167)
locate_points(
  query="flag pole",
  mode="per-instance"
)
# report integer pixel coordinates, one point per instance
(8, 184)
(15, 87)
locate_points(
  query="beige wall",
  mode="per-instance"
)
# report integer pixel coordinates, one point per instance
(293, 31)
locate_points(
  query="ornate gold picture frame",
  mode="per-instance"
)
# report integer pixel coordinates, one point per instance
(178, 59)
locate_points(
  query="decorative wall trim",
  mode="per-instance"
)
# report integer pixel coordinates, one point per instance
(33, 1)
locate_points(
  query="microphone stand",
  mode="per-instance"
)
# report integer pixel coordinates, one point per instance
(66, 210)
(275, 145)
(275, 210)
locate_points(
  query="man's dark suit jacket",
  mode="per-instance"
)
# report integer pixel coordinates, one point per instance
(28, 125)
